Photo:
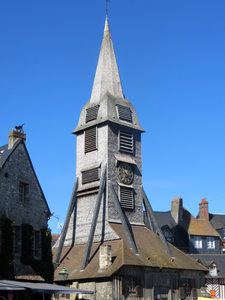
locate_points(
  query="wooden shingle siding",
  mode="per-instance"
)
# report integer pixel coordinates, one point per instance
(90, 139)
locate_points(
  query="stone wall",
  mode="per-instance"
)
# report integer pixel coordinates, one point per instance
(16, 170)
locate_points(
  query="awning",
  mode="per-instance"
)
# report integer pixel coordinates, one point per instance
(10, 287)
(43, 288)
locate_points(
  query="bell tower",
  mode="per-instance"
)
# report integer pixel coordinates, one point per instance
(108, 140)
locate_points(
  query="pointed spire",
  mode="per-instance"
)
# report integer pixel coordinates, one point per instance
(107, 78)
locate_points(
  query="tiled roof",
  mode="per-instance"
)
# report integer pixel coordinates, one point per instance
(217, 220)
(196, 226)
(165, 220)
(207, 259)
(151, 252)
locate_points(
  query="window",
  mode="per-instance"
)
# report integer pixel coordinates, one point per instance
(126, 197)
(126, 140)
(16, 242)
(90, 175)
(90, 140)
(168, 235)
(23, 192)
(36, 243)
(210, 243)
(92, 113)
(132, 286)
(197, 242)
(213, 270)
(124, 113)
(223, 234)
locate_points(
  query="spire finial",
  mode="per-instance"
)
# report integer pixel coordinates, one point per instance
(107, 7)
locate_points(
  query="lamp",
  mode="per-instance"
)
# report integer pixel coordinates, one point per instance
(63, 274)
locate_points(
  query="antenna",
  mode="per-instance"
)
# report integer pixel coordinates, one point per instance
(107, 7)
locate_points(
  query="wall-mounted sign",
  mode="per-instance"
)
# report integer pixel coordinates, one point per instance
(10, 295)
(213, 293)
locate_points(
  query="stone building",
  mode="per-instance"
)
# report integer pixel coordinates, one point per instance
(105, 245)
(22, 201)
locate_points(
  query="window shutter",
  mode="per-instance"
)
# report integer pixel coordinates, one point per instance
(139, 289)
(126, 140)
(194, 293)
(90, 140)
(124, 286)
(92, 113)
(126, 197)
(90, 175)
(124, 113)
(181, 292)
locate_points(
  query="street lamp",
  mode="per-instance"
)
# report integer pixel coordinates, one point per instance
(63, 274)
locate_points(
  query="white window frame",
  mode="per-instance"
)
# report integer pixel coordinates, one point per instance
(197, 242)
(210, 243)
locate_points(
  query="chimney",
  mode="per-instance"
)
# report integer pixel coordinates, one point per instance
(105, 257)
(203, 210)
(177, 209)
(14, 135)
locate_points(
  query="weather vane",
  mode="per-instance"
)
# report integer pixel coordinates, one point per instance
(107, 6)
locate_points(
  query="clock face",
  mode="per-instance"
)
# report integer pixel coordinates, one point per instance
(125, 173)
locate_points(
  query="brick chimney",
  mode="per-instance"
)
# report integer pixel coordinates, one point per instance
(14, 135)
(203, 210)
(177, 209)
(105, 257)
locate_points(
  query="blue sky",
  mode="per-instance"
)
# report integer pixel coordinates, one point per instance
(170, 55)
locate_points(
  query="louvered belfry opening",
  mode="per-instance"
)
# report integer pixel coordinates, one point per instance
(126, 197)
(92, 113)
(126, 140)
(124, 113)
(90, 139)
(90, 175)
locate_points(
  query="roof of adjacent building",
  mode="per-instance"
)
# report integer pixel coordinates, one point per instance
(151, 253)
(166, 221)
(208, 259)
(217, 221)
(107, 90)
(196, 226)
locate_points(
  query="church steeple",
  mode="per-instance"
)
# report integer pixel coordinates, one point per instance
(107, 93)
(107, 78)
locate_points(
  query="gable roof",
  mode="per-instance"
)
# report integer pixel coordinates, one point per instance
(8, 152)
(151, 253)
(196, 226)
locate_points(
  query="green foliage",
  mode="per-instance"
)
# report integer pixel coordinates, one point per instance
(43, 267)
(6, 253)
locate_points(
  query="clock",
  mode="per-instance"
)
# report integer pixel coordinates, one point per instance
(125, 173)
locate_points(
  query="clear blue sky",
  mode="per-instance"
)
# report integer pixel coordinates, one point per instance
(171, 58)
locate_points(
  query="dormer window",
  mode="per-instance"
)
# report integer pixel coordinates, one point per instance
(213, 270)
(168, 235)
(210, 243)
(197, 242)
